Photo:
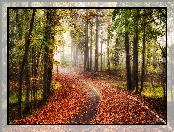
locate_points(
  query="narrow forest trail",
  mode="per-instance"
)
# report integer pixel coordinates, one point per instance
(93, 101)
(117, 106)
(93, 98)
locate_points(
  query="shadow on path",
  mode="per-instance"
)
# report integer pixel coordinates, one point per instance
(91, 107)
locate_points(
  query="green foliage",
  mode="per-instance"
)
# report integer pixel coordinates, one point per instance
(149, 90)
(57, 63)
(64, 64)
(55, 85)
(152, 69)
(60, 63)
(118, 84)
(13, 97)
(153, 91)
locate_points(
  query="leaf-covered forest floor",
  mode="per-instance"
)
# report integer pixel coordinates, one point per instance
(84, 98)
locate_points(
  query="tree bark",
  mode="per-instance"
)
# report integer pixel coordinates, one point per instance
(101, 58)
(135, 55)
(45, 73)
(86, 51)
(128, 67)
(27, 107)
(48, 54)
(90, 67)
(21, 69)
(143, 60)
(108, 62)
(96, 46)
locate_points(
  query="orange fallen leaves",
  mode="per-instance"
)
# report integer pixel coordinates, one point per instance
(61, 106)
(117, 106)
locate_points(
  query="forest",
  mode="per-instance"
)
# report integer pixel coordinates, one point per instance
(87, 66)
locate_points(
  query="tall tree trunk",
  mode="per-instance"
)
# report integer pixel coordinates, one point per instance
(21, 69)
(90, 67)
(164, 76)
(50, 67)
(27, 107)
(135, 55)
(74, 54)
(86, 52)
(164, 72)
(48, 54)
(143, 60)
(63, 53)
(19, 25)
(128, 67)
(96, 46)
(45, 73)
(108, 62)
(34, 74)
(101, 57)
(46, 58)
(104, 59)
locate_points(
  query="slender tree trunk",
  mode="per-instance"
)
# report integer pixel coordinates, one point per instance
(63, 53)
(164, 72)
(135, 65)
(76, 56)
(91, 51)
(104, 59)
(101, 58)
(49, 34)
(135, 55)
(21, 69)
(19, 25)
(33, 76)
(50, 67)
(46, 53)
(143, 60)
(96, 46)
(128, 67)
(108, 62)
(72, 53)
(45, 73)
(164, 78)
(35, 87)
(27, 107)
(86, 52)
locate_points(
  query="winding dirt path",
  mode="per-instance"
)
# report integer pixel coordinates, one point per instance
(83, 99)
(93, 99)
(106, 105)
